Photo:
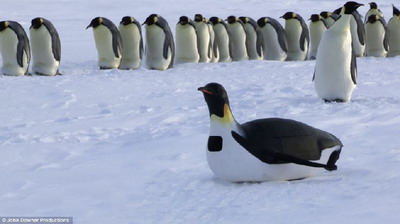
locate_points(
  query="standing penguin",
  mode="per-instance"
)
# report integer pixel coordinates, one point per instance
(15, 49)
(376, 37)
(317, 28)
(204, 39)
(222, 39)
(275, 42)
(132, 51)
(186, 41)
(214, 45)
(254, 39)
(46, 47)
(373, 10)
(108, 42)
(335, 68)
(238, 38)
(329, 18)
(393, 29)
(160, 46)
(297, 35)
(267, 149)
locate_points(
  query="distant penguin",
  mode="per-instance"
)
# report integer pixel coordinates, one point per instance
(357, 32)
(275, 42)
(237, 34)
(270, 149)
(203, 35)
(373, 10)
(186, 41)
(329, 18)
(214, 45)
(222, 39)
(15, 49)
(393, 29)
(297, 35)
(132, 39)
(108, 42)
(317, 28)
(336, 68)
(160, 46)
(46, 47)
(254, 38)
(376, 37)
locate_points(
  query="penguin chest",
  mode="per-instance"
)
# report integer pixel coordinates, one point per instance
(374, 35)
(42, 52)
(186, 44)
(104, 44)
(394, 37)
(131, 38)
(316, 31)
(293, 33)
(155, 39)
(203, 34)
(357, 42)
(238, 38)
(251, 42)
(273, 50)
(9, 48)
(222, 40)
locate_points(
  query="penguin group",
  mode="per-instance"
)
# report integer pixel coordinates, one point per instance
(44, 48)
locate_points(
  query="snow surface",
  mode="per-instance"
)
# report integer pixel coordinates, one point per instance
(129, 146)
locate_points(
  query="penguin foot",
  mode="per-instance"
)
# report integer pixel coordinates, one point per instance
(335, 100)
(105, 68)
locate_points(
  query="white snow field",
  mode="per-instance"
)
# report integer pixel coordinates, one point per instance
(129, 146)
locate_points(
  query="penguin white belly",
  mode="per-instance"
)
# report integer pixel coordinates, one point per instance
(214, 45)
(103, 40)
(222, 39)
(238, 38)
(154, 49)
(186, 44)
(131, 47)
(316, 31)
(251, 43)
(203, 34)
(8, 46)
(374, 35)
(293, 32)
(359, 48)
(273, 50)
(43, 61)
(394, 37)
(332, 69)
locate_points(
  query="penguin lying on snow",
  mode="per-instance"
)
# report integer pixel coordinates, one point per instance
(265, 149)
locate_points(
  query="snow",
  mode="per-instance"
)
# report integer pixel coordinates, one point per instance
(129, 146)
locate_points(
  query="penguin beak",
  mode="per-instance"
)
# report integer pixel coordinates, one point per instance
(90, 25)
(204, 90)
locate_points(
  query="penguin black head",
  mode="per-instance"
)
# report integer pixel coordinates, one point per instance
(152, 19)
(315, 18)
(183, 20)
(261, 22)
(95, 22)
(36, 23)
(199, 18)
(244, 19)
(350, 7)
(126, 20)
(4, 25)
(373, 5)
(372, 18)
(395, 11)
(337, 11)
(325, 14)
(232, 19)
(215, 20)
(289, 15)
(216, 98)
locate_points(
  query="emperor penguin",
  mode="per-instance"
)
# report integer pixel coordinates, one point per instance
(297, 35)
(357, 32)
(317, 28)
(160, 46)
(393, 28)
(132, 39)
(329, 18)
(203, 35)
(274, 37)
(15, 49)
(186, 41)
(335, 67)
(214, 45)
(46, 47)
(222, 40)
(108, 42)
(373, 10)
(269, 149)
(254, 38)
(376, 37)
(237, 35)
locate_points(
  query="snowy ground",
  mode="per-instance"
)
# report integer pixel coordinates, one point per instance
(129, 146)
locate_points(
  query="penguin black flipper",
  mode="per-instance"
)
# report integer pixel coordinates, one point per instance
(386, 38)
(277, 141)
(116, 37)
(141, 46)
(280, 31)
(353, 66)
(55, 39)
(23, 42)
(360, 27)
(168, 40)
(305, 34)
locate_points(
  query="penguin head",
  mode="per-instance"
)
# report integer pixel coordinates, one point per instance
(215, 20)
(4, 25)
(396, 12)
(232, 19)
(337, 11)
(152, 19)
(183, 20)
(372, 18)
(289, 15)
(199, 18)
(216, 98)
(261, 22)
(350, 7)
(126, 20)
(36, 23)
(244, 19)
(373, 5)
(315, 18)
(95, 22)
(325, 14)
